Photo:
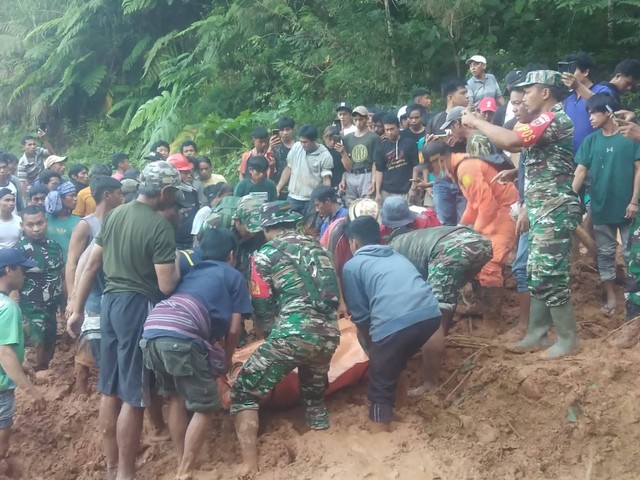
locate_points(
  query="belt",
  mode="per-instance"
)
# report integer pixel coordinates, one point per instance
(359, 171)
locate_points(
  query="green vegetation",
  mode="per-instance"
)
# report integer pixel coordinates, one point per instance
(112, 75)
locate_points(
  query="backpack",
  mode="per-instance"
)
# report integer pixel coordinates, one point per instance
(315, 268)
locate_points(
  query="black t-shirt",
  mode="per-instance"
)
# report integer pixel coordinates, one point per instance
(280, 153)
(338, 167)
(407, 133)
(184, 239)
(396, 161)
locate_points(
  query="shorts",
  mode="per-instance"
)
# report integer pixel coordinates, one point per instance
(387, 359)
(121, 367)
(181, 367)
(7, 408)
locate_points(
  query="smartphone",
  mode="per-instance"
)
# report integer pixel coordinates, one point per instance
(275, 132)
(567, 67)
(616, 119)
(42, 126)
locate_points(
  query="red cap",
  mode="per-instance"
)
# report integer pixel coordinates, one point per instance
(486, 105)
(180, 162)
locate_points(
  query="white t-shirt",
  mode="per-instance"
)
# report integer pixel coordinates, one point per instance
(10, 231)
(14, 190)
(199, 219)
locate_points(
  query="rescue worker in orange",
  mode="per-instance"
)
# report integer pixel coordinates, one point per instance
(487, 212)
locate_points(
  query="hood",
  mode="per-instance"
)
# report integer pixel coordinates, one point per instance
(376, 251)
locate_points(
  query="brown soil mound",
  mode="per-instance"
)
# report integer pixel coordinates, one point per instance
(500, 416)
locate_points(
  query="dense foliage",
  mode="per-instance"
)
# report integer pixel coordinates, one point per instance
(116, 75)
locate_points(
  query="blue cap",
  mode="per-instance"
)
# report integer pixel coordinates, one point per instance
(396, 212)
(11, 257)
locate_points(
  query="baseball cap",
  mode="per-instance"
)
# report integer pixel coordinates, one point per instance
(513, 77)
(363, 206)
(344, 106)
(487, 104)
(550, 78)
(11, 257)
(454, 114)
(129, 185)
(476, 58)
(248, 212)
(180, 162)
(396, 213)
(51, 159)
(361, 110)
(274, 213)
(158, 175)
(154, 157)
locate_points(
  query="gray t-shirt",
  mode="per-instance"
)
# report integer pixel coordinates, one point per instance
(361, 149)
(307, 170)
(479, 89)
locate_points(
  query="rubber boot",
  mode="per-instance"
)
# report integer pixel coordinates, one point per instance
(247, 424)
(564, 319)
(537, 329)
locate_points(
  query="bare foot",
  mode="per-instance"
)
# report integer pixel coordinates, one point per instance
(14, 468)
(247, 470)
(112, 473)
(159, 436)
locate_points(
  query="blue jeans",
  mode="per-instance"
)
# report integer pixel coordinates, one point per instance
(448, 202)
(519, 266)
(300, 206)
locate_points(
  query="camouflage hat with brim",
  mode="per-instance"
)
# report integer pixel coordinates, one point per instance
(274, 213)
(549, 78)
(248, 212)
(158, 175)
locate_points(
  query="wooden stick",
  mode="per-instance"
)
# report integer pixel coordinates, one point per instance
(586, 239)
(514, 430)
(453, 392)
(625, 324)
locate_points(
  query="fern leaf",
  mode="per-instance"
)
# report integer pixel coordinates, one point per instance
(93, 79)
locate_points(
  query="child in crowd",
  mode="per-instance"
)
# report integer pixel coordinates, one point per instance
(42, 293)
(13, 265)
(394, 310)
(257, 182)
(614, 163)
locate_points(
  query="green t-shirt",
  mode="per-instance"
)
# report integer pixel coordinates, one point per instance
(59, 229)
(134, 238)
(361, 149)
(11, 333)
(611, 162)
(246, 186)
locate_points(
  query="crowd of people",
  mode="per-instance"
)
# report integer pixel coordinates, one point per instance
(385, 217)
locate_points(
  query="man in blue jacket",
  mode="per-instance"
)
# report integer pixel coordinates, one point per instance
(393, 308)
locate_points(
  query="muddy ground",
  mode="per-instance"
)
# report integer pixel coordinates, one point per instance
(499, 416)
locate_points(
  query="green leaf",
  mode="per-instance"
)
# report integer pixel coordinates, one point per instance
(93, 79)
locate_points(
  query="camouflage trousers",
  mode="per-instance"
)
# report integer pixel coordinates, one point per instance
(550, 253)
(455, 261)
(40, 326)
(274, 360)
(632, 290)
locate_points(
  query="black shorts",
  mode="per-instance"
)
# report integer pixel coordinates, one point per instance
(121, 367)
(387, 359)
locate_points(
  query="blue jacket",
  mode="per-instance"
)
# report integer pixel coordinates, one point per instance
(385, 293)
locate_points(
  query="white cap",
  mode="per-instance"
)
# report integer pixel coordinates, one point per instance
(402, 111)
(477, 58)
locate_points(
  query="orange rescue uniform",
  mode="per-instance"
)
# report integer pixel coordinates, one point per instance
(488, 211)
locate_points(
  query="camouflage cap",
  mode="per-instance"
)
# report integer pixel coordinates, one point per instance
(248, 212)
(158, 175)
(550, 78)
(273, 213)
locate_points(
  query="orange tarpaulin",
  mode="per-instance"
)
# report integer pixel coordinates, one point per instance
(348, 366)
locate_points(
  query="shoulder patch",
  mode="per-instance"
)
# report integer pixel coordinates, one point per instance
(259, 288)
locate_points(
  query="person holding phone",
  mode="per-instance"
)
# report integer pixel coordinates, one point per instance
(576, 70)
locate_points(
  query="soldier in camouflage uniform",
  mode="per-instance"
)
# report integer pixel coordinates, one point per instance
(551, 206)
(632, 291)
(247, 224)
(448, 258)
(294, 289)
(42, 292)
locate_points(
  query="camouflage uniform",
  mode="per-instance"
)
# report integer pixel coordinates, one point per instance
(295, 295)
(553, 206)
(222, 215)
(248, 212)
(42, 292)
(479, 145)
(448, 257)
(632, 293)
